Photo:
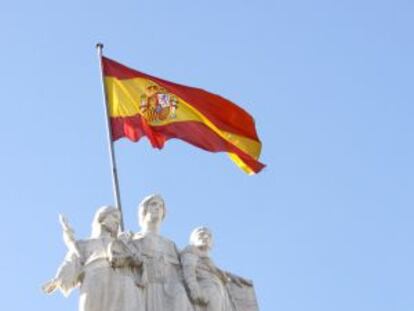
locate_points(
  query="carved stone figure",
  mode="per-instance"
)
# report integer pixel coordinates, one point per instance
(210, 288)
(144, 271)
(159, 275)
(86, 265)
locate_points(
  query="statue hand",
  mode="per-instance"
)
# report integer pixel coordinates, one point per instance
(136, 261)
(122, 260)
(198, 298)
(202, 300)
(119, 254)
(242, 281)
(224, 276)
(125, 236)
(50, 286)
(68, 235)
(247, 282)
(117, 261)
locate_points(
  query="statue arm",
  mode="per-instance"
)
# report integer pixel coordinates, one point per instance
(70, 272)
(189, 264)
(69, 236)
(230, 277)
(120, 255)
(68, 276)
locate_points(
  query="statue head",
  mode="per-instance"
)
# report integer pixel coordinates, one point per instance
(107, 218)
(151, 211)
(201, 237)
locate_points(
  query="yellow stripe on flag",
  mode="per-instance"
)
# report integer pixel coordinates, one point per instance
(124, 97)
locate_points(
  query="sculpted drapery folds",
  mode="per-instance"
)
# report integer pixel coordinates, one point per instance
(210, 288)
(86, 265)
(159, 275)
(144, 271)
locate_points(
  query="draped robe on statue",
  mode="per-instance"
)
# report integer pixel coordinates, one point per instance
(201, 275)
(102, 288)
(160, 275)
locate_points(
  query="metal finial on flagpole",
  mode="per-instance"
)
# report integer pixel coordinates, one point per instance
(115, 183)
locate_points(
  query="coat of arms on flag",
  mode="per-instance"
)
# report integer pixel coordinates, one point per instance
(143, 105)
(157, 104)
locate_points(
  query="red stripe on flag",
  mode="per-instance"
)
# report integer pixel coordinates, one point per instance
(195, 133)
(222, 112)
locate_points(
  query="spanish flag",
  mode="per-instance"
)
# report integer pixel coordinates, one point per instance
(142, 105)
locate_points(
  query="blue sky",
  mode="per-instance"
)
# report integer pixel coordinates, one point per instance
(328, 225)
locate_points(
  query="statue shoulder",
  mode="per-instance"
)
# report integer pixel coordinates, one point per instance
(84, 245)
(168, 241)
(189, 250)
(150, 237)
(189, 255)
(171, 246)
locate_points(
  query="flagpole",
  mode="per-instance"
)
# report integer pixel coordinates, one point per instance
(115, 183)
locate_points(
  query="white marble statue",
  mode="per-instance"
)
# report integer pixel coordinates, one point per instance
(144, 271)
(210, 288)
(86, 265)
(159, 275)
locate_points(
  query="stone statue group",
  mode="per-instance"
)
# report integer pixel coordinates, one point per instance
(144, 271)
